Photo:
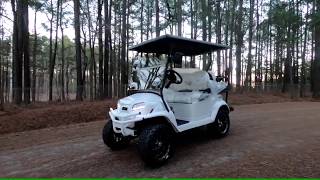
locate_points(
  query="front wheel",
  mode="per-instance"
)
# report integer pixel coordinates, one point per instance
(114, 141)
(155, 145)
(220, 127)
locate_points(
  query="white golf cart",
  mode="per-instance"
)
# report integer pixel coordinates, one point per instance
(186, 99)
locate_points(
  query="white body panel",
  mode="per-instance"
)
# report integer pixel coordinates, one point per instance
(197, 114)
(124, 120)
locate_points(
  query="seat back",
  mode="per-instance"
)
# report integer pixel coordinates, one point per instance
(192, 80)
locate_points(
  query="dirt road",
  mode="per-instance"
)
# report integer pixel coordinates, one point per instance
(266, 140)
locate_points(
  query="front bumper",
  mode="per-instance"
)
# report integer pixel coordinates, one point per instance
(124, 122)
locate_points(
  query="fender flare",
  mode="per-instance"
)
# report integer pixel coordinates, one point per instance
(157, 119)
(219, 105)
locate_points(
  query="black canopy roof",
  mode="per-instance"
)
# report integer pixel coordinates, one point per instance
(168, 44)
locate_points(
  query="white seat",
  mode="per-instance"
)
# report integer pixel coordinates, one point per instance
(189, 90)
(192, 81)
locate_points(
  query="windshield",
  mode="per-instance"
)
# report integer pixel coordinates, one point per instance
(147, 72)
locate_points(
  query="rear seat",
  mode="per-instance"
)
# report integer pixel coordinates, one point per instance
(190, 90)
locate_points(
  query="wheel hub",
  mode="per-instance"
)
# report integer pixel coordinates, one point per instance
(222, 125)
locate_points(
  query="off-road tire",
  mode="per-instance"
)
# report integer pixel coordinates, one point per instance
(155, 144)
(220, 127)
(114, 141)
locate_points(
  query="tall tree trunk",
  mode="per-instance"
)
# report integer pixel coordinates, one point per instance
(141, 21)
(91, 46)
(63, 96)
(115, 64)
(22, 53)
(85, 61)
(1, 64)
(259, 48)
(312, 49)
(111, 84)
(210, 6)
(239, 42)
(179, 22)
(106, 51)
(128, 35)
(34, 60)
(316, 62)
(191, 19)
(78, 49)
(271, 62)
(271, 49)
(226, 37)
(179, 16)
(277, 56)
(218, 34)
(119, 61)
(192, 61)
(53, 62)
(101, 91)
(249, 66)
(123, 49)
(157, 18)
(14, 51)
(7, 82)
(288, 64)
(196, 9)
(62, 55)
(51, 70)
(204, 29)
(303, 56)
(26, 52)
(67, 80)
(148, 20)
(232, 29)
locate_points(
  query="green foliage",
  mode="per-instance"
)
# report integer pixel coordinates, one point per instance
(5, 48)
(69, 48)
(43, 52)
(315, 19)
(36, 4)
(284, 18)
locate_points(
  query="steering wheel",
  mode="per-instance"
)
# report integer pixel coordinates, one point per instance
(173, 77)
(222, 78)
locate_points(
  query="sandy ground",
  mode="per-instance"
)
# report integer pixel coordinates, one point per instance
(266, 140)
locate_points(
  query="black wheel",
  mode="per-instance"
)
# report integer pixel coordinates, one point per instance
(114, 141)
(155, 145)
(220, 127)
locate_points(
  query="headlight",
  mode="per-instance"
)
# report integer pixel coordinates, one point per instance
(138, 107)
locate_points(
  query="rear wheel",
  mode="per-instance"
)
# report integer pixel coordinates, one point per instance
(155, 145)
(220, 127)
(114, 141)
